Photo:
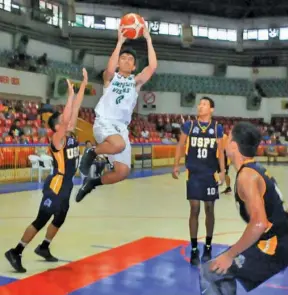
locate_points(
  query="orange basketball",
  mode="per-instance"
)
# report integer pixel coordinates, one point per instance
(133, 25)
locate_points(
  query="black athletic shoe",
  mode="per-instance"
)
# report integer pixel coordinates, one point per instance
(46, 254)
(207, 254)
(87, 187)
(100, 164)
(194, 259)
(86, 161)
(15, 260)
(227, 190)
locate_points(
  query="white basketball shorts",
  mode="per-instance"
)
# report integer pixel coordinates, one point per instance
(103, 128)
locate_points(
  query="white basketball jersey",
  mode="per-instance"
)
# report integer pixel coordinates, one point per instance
(118, 99)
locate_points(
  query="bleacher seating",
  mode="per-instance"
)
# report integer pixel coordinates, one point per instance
(199, 84)
(171, 82)
(274, 87)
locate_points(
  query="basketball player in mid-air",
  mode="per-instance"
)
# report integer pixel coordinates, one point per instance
(114, 113)
(58, 186)
(262, 250)
(227, 165)
(204, 154)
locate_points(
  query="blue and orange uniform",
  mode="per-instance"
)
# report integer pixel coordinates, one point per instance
(269, 255)
(58, 186)
(202, 159)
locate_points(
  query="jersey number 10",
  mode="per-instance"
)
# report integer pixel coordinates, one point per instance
(202, 153)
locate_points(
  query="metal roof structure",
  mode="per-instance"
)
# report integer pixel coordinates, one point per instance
(236, 9)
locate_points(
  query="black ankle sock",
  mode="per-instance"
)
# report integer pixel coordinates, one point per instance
(45, 244)
(194, 243)
(208, 241)
(97, 181)
(19, 248)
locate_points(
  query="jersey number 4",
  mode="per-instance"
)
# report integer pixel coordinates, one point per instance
(119, 99)
(202, 153)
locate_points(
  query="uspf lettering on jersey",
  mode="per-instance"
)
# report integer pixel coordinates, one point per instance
(73, 152)
(201, 142)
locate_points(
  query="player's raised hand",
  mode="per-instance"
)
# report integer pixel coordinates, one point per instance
(70, 88)
(121, 37)
(146, 33)
(176, 172)
(85, 76)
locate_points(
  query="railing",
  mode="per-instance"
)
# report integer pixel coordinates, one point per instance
(16, 167)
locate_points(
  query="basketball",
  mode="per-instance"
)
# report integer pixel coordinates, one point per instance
(133, 25)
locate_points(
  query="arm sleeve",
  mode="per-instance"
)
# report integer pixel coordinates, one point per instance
(185, 128)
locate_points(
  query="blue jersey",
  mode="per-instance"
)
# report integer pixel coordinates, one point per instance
(273, 202)
(201, 146)
(65, 164)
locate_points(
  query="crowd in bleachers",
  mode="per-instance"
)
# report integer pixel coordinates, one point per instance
(21, 123)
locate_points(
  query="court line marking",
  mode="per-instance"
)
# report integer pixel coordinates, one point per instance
(101, 247)
(181, 244)
(79, 274)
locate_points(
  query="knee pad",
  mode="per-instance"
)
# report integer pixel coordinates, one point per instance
(59, 219)
(41, 220)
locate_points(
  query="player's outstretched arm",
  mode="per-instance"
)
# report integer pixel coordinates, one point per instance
(113, 61)
(78, 101)
(147, 72)
(59, 135)
(178, 153)
(251, 187)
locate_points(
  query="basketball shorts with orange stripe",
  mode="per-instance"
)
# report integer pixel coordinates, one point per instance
(56, 194)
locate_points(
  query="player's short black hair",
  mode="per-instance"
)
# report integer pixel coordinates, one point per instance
(130, 51)
(53, 120)
(248, 137)
(211, 101)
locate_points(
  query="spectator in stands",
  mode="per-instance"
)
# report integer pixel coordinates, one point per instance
(23, 139)
(27, 129)
(145, 133)
(277, 140)
(41, 150)
(19, 107)
(10, 114)
(168, 126)
(160, 125)
(15, 130)
(2, 111)
(42, 131)
(134, 131)
(176, 125)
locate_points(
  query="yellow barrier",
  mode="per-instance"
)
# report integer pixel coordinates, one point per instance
(15, 165)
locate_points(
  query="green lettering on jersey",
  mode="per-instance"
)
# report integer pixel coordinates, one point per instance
(119, 99)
